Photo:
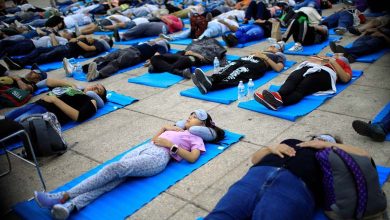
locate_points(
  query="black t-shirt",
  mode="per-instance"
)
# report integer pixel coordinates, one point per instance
(303, 165)
(80, 102)
(75, 50)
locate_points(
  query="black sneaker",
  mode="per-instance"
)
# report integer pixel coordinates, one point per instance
(116, 35)
(374, 131)
(3, 70)
(187, 73)
(273, 98)
(354, 31)
(201, 81)
(260, 99)
(333, 46)
(12, 64)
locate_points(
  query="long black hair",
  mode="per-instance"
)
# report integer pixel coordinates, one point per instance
(210, 124)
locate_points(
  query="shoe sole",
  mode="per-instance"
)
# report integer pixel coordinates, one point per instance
(363, 129)
(200, 87)
(263, 102)
(66, 63)
(202, 78)
(92, 72)
(270, 98)
(59, 212)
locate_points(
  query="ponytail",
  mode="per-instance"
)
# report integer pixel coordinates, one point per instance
(210, 124)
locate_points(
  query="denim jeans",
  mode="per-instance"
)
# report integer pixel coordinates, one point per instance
(24, 111)
(366, 45)
(309, 3)
(249, 32)
(341, 19)
(45, 55)
(266, 193)
(213, 30)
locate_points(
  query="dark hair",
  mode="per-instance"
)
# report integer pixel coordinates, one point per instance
(104, 95)
(109, 41)
(210, 124)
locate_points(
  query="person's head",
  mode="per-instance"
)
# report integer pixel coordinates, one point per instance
(107, 41)
(99, 89)
(201, 118)
(36, 74)
(326, 137)
(276, 47)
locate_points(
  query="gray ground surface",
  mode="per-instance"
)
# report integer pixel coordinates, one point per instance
(101, 139)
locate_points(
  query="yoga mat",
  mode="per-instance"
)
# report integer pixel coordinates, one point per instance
(383, 173)
(114, 102)
(385, 111)
(229, 95)
(186, 20)
(56, 65)
(165, 79)
(83, 77)
(247, 44)
(108, 33)
(309, 50)
(132, 195)
(136, 40)
(370, 58)
(305, 106)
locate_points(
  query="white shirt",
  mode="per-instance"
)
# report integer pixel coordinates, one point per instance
(121, 18)
(138, 21)
(45, 41)
(223, 27)
(312, 14)
(79, 19)
(240, 14)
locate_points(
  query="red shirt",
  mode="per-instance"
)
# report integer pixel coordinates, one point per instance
(175, 25)
(346, 67)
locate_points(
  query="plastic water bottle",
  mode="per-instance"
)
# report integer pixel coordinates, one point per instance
(251, 89)
(241, 91)
(164, 30)
(216, 65)
(78, 68)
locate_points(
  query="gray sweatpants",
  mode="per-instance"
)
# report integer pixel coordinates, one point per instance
(145, 30)
(146, 160)
(117, 60)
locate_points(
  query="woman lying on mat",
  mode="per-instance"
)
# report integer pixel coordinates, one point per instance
(285, 182)
(66, 101)
(305, 31)
(146, 160)
(249, 67)
(316, 75)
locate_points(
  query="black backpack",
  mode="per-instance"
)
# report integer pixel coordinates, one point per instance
(45, 134)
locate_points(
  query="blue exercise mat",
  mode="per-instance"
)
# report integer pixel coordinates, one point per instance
(57, 65)
(247, 44)
(309, 50)
(109, 33)
(186, 20)
(229, 95)
(114, 102)
(385, 111)
(305, 106)
(136, 40)
(132, 195)
(165, 79)
(83, 77)
(383, 173)
(367, 58)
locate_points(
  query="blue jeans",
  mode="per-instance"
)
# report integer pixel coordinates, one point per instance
(266, 193)
(249, 32)
(309, 3)
(45, 55)
(366, 45)
(341, 19)
(24, 111)
(257, 11)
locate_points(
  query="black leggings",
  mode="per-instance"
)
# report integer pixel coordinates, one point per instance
(297, 87)
(302, 32)
(231, 74)
(169, 62)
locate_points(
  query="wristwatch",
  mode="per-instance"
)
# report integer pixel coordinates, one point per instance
(174, 149)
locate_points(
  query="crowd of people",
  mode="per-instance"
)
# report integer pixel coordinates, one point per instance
(31, 36)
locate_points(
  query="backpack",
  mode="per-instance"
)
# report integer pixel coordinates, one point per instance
(351, 185)
(45, 134)
(198, 25)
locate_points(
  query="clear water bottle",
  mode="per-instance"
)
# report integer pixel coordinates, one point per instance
(78, 68)
(251, 89)
(164, 30)
(216, 65)
(241, 91)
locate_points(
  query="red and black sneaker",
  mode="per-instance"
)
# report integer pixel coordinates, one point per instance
(260, 99)
(273, 98)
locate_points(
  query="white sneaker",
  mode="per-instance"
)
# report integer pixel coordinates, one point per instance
(77, 30)
(165, 37)
(62, 211)
(68, 67)
(18, 24)
(93, 73)
(297, 47)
